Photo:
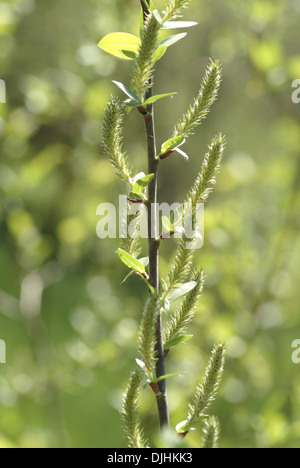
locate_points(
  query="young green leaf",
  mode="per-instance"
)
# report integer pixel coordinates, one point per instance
(166, 222)
(130, 104)
(163, 46)
(116, 43)
(151, 288)
(176, 216)
(185, 426)
(172, 40)
(131, 262)
(130, 54)
(140, 185)
(179, 24)
(159, 53)
(153, 99)
(144, 261)
(181, 291)
(171, 144)
(127, 276)
(181, 427)
(138, 176)
(142, 367)
(127, 91)
(167, 376)
(177, 340)
(157, 16)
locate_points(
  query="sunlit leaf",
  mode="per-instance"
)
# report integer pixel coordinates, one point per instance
(140, 185)
(171, 144)
(144, 261)
(172, 40)
(116, 43)
(143, 368)
(181, 291)
(167, 376)
(127, 276)
(169, 227)
(182, 427)
(157, 16)
(130, 54)
(151, 289)
(176, 215)
(177, 340)
(131, 262)
(179, 24)
(153, 99)
(159, 53)
(127, 91)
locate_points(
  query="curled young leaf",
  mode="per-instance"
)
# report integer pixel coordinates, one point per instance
(141, 184)
(131, 262)
(171, 144)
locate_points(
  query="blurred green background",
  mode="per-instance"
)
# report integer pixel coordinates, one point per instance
(68, 325)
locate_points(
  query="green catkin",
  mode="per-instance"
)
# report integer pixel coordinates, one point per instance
(181, 265)
(146, 334)
(211, 433)
(131, 243)
(112, 140)
(174, 9)
(208, 93)
(130, 413)
(143, 67)
(185, 312)
(206, 391)
(206, 179)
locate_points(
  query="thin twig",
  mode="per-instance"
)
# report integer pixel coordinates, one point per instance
(153, 246)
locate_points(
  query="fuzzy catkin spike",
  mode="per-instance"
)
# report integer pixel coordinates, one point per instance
(131, 243)
(208, 93)
(130, 413)
(174, 9)
(211, 433)
(181, 265)
(143, 67)
(146, 333)
(207, 390)
(112, 140)
(207, 176)
(185, 313)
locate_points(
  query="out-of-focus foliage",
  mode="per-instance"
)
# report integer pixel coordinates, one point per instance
(69, 327)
